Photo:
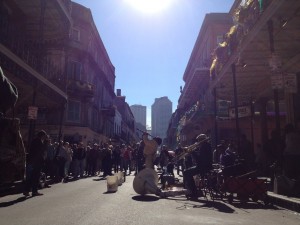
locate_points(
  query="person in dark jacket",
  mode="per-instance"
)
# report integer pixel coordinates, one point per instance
(35, 162)
(79, 154)
(203, 158)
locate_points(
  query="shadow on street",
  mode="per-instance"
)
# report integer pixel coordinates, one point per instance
(18, 200)
(145, 198)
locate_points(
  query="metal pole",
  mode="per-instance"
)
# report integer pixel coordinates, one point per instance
(275, 92)
(237, 126)
(216, 113)
(252, 122)
(40, 54)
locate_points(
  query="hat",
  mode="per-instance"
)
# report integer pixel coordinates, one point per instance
(201, 137)
(41, 133)
(158, 140)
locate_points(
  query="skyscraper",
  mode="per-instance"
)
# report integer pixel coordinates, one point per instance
(139, 113)
(161, 112)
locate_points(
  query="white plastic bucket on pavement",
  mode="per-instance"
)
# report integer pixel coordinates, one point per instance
(120, 176)
(112, 183)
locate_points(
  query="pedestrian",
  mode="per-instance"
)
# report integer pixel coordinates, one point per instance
(93, 155)
(291, 153)
(203, 158)
(107, 160)
(35, 162)
(68, 159)
(79, 155)
(116, 158)
(150, 149)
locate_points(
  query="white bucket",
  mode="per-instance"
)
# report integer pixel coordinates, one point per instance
(112, 183)
(120, 176)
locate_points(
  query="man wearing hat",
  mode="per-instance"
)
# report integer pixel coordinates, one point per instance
(203, 158)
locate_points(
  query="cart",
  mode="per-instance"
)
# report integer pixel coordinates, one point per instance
(245, 188)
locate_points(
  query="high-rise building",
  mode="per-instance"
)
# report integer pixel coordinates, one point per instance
(161, 112)
(139, 113)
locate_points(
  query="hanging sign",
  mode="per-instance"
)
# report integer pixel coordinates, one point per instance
(243, 111)
(290, 82)
(32, 112)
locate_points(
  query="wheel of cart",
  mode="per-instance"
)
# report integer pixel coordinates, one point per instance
(209, 184)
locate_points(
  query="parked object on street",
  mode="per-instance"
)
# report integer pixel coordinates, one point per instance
(245, 188)
(120, 176)
(112, 183)
(12, 151)
(8, 93)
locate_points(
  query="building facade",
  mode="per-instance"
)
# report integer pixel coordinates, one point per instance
(161, 112)
(252, 79)
(195, 111)
(139, 113)
(53, 53)
(128, 132)
(90, 80)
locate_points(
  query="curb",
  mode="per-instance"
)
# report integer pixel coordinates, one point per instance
(286, 202)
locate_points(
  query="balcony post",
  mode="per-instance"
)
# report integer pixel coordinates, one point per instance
(237, 126)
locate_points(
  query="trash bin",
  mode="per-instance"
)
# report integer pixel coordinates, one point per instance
(120, 176)
(112, 183)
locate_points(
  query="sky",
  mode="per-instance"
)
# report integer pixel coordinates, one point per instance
(150, 49)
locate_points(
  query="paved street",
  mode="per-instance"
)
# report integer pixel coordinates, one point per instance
(85, 202)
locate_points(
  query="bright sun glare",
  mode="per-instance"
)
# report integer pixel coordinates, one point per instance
(149, 6)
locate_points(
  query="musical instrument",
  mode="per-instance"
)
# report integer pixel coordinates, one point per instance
(145, 132)
(188, 150)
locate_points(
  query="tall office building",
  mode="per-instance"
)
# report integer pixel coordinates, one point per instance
(161, 112)
(139, 113)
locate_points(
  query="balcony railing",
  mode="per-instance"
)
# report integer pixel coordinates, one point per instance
(245, 17)
(28, 52)
(80, 88)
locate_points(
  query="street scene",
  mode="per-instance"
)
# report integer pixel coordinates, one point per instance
(86, 201)
(149, 112)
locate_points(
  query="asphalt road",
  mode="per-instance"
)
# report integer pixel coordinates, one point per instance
(86, 202)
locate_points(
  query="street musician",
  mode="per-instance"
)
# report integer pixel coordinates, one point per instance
(150, 149)
(202, 156)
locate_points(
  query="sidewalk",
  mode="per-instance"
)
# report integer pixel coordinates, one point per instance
(284, 201)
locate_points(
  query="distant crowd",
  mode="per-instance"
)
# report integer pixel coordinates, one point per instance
(64, 161)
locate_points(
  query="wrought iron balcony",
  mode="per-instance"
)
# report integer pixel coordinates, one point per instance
(80, 89)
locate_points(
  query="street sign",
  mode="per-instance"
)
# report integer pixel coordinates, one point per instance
(243, 111)
(290, 82)
(32, 112)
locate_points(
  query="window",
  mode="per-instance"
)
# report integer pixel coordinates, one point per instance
(75, 35)
(73, 111)
(74, 70)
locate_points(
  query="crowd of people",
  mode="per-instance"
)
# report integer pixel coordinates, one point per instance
(64, 161)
